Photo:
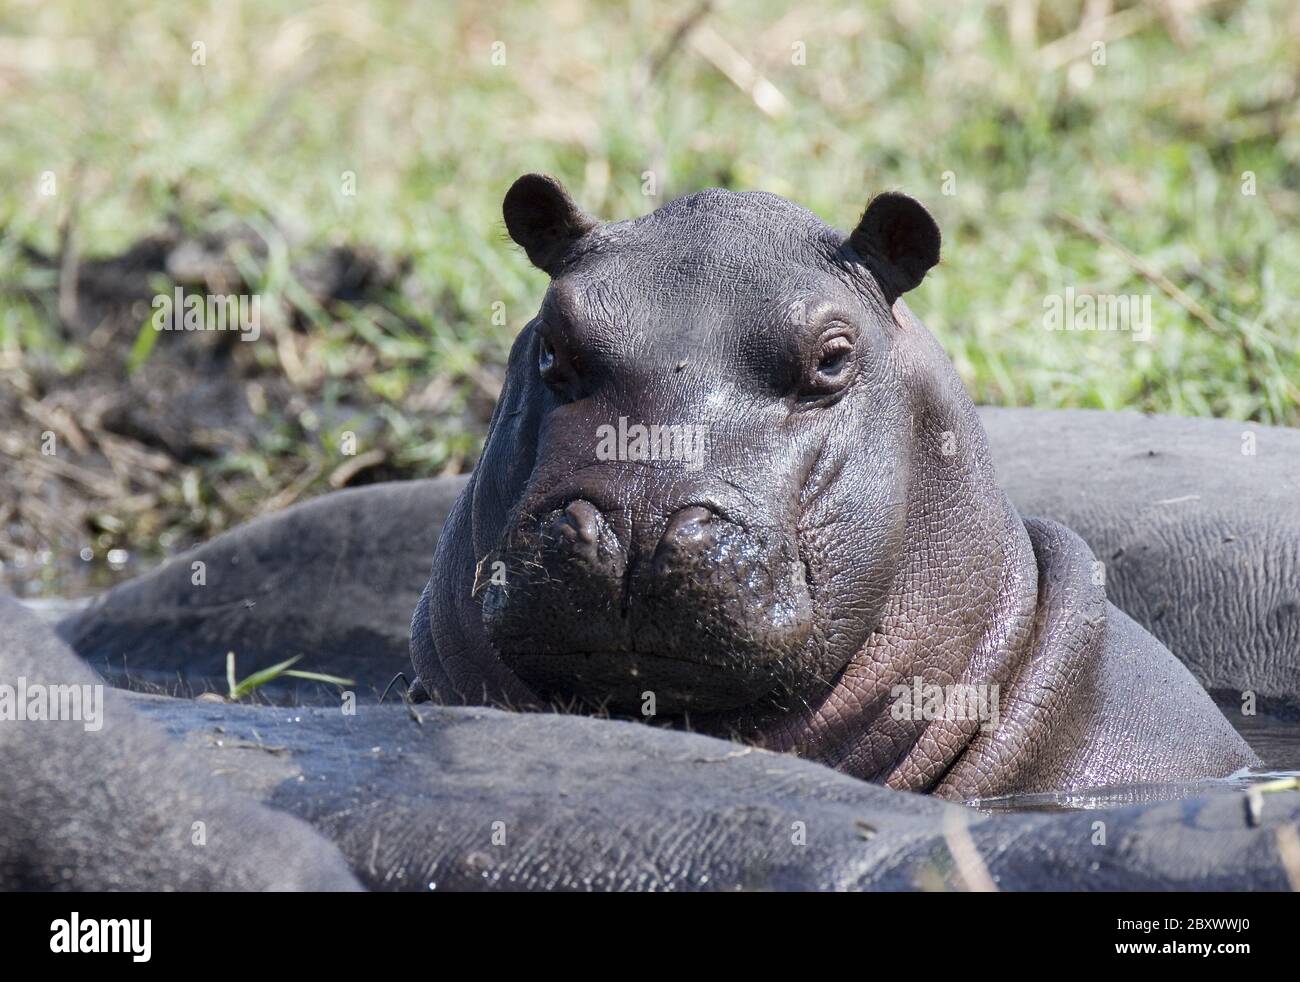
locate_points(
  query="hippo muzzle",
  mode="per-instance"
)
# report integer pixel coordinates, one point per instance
(632, 609)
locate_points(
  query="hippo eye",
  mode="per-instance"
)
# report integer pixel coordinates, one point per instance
(555, 367)
(834, 357)
(828, 370)
(546, 357)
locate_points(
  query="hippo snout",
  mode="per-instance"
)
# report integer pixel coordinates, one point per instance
(700, 611)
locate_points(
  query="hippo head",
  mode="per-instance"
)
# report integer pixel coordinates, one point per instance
(695, 482)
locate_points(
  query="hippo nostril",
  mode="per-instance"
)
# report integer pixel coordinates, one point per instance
(690, 529)
(581, 522)
(575, 541)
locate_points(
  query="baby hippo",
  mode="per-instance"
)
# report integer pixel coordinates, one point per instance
(733, 481)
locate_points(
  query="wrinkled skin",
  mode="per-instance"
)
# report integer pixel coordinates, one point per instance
(841, 534)
(1201, 541)
(416, 798)
(594, 804)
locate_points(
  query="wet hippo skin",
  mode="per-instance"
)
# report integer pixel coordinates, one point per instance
(482, 799)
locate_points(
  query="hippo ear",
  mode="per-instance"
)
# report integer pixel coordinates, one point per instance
(899, 241)
(542, 218)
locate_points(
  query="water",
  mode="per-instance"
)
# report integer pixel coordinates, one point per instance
(1088, 799)
(1276, 739)
(44, 574)
(54, 609)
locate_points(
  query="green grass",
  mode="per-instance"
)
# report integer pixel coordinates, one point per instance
(1151, 147)
(243, 688)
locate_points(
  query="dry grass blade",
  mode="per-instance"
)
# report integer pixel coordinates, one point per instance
(1147, 272)
(718, 51)
(971, 868)
(342, 475)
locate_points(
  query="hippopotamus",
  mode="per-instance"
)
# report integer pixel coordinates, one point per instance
(733, 482)
(97, 799)
(174, 793)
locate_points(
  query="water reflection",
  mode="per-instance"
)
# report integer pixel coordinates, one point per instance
(43, 574)
(1128, 794)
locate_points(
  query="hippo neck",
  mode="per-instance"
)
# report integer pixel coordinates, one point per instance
(962, 607)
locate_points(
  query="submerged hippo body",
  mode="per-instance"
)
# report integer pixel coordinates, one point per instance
(732, 479)
(416, 798)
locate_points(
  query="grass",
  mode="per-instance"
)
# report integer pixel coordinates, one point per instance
(997, 102)
(238, 689)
